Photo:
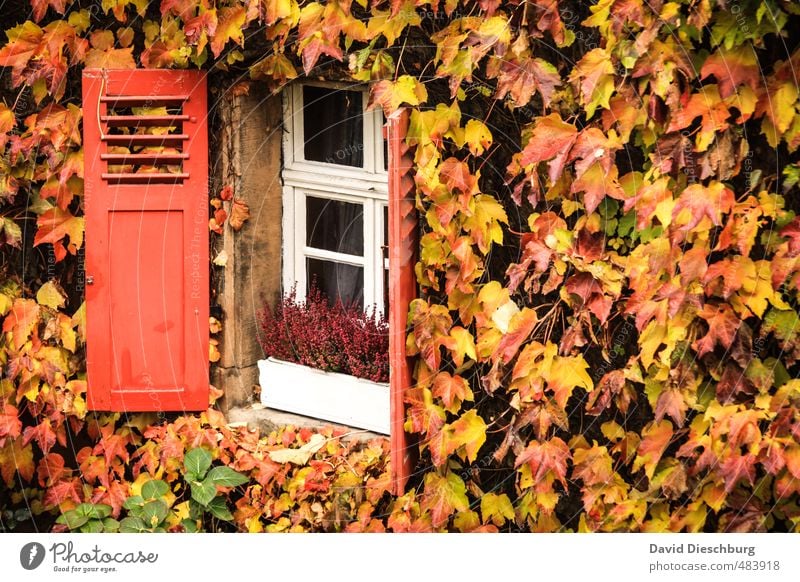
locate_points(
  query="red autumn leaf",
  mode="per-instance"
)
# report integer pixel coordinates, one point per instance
(693, 265)
(451, 390)
(443, 495)
(62, 491)
(732, 68)
(647, 198)
(10, 424)
(114, 495)
(541, 416)
(113, 446)
(313, 50)
(520, 80)
(597, 183)
(551, 139)
(698, 201)
(423, 416)
(51, 469)
(42, 433)
(610, 385)
(737, 467)
(547, 456)
(671, 403)
(732, 271)
(456, 176)
(226, 193)
(93, 468)
(591, 295)
(22, 318)
(40, 7)
(792, 232)
(723, 324)
(199, 28)
(548, 19)
(710, 107)
(215, 223)
(518, 331)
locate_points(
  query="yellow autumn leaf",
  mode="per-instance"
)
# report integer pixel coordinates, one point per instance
(464, 345)
(213, 352)
(650, 340)
(51, 296)
(477, 136)
(299, 456)
(469, 432)
(496, 509)
(566, 374)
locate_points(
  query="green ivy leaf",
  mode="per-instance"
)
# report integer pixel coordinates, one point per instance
(93, 511)
(196, 463)
(154, 489)
(226, 477)
(132, 525)
(219, 508)
(92, 526)
(72, 519)
(154, 512)
(203, 491)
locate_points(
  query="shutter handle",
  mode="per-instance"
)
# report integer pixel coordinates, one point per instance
(89, 280)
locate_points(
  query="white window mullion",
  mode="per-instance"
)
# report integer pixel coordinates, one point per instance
(300, 242)
(288, 225)
(369, 252)
(377, 136)
(325, 255)
(383, 260)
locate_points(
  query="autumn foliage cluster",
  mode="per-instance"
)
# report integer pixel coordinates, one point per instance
(606, 336)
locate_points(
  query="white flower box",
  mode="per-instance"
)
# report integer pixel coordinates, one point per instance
(338, 398)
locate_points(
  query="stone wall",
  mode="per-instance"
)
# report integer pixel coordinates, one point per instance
(250, 161)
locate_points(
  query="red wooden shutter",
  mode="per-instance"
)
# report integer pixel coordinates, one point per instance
(146, 207)
(403, 242)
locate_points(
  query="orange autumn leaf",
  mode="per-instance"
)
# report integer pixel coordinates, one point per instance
(21, 320)
(656, 437)
(549, 456)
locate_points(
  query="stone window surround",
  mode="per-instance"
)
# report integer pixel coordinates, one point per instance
(250, 157)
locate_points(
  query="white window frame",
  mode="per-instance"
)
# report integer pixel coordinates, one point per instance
(368, 186)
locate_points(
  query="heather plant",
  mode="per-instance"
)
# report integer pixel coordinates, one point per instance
(325, 335)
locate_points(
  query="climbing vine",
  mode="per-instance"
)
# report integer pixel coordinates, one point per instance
(606, 334)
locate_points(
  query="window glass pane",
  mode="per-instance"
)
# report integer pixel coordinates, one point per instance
(334, 225)
(386, 292)
(386, 226)
(333, 122)
(337, 280)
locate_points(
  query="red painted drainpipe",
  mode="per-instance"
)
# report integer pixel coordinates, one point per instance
(403, 246)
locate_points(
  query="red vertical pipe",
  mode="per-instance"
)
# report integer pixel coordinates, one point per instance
(403, 246)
